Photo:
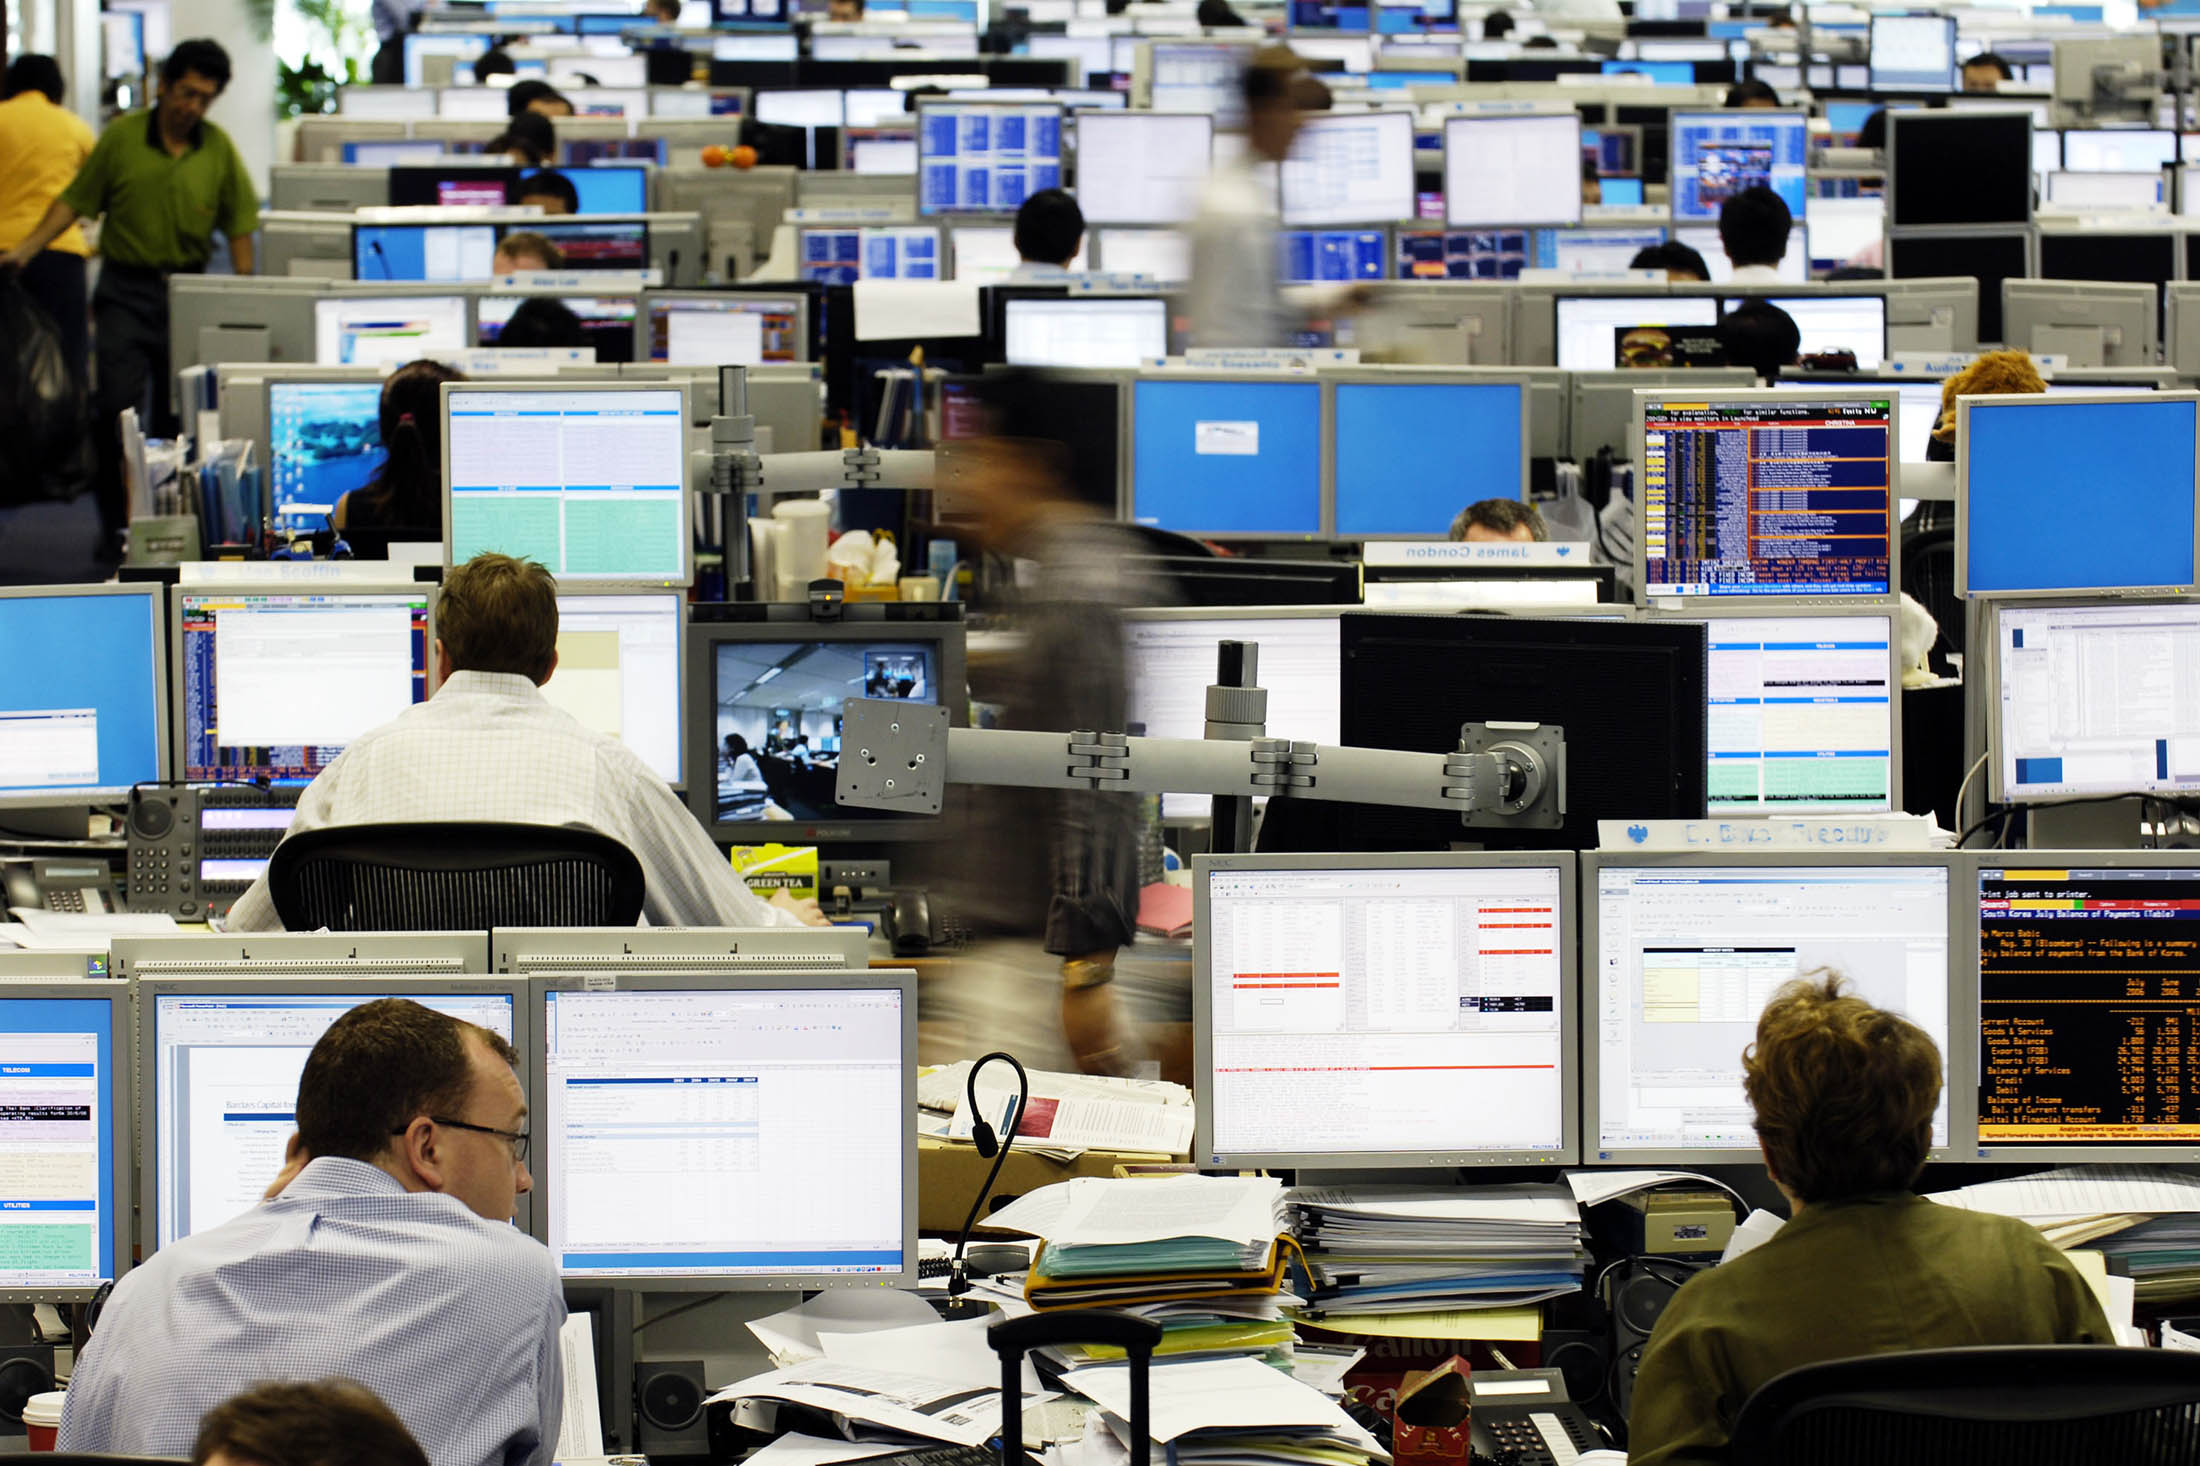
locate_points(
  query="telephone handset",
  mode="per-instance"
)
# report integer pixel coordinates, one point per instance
(77, 886)
(1524, 1416)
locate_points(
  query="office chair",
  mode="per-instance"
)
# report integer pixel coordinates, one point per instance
(2011, 1405)
(453, 877)
(1929, 578)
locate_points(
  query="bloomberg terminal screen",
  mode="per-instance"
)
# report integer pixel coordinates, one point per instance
(2089, 1006)
(1769, 498)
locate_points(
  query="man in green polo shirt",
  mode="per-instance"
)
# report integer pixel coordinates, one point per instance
(161, 182)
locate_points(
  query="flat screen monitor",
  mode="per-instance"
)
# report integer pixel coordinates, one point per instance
(2090, 699)
(799, 108)
(1163, 255)
(2118, 150)
(718, 329)
(222, 1057)
(393, 153)
(2085, 1006)
(447, 253)
(619, 661)
(1598, 333)
(1793, 266)
(1197, 76)
(1683, 952)
(606, 321)
(1501, 254)
(1803, 717)
(601, 245)
(324, 439)
(879, 150)
(378, 330)
(1394, 474)
(1141, 167)
(1384, 1010)
(273, 683)
(453, 184)
(2016, 457)
(1856, 324)
(986, 157)
(781, 46)
(1913, 53)
(1083, 413)
(65, 1071)
(842, 256)
(1227, 456)
(745, 1131)
(2106, 192)
(1748, 493)
(1958, 168)
(766, 703)
(1086, 331)
(1837, 230)
(1716, 155)
(591, 482)
(1350, 168)
(1988, 258)
(1512, 170)
(615, 188)
(84, 727)
(1920, 415)
(1315, 255)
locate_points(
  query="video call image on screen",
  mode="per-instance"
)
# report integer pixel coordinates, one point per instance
(778, 724)
(324, 440)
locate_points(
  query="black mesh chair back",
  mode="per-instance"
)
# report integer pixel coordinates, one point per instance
(2009, 1405)
(1929, 578)
(453, 877)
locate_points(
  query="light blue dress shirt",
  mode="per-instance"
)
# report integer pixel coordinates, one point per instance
(451, 1319)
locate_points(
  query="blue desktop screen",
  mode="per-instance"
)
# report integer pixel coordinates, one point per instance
(1330, 254)
(1620, 191)
(2139, 496)
(1847, 118)
(60, 1089)
(1398, 81)
(1227, 457)
(1716, 155)
(1661, 73)
(87, 720)
(1395, 477)
(610, 190)
(986, 157)
(324, 439)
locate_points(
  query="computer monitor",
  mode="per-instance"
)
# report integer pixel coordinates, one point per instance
(987, 253)
(1616, 151)
(1393, 474)
(454, 184)
(1989, 258)
(1594, 331)
(726, 328)
(592, 482)
(1162, 255)
(1837, 230)
(393, 153)
(599, 244)
(2087, 699)
(1501, 254)
(1682, 951)
(695, 951)
(1913, 53)
(1856, 324)
(765, 705)
(611, 188)
(730, 1132)
(1313, 1045)
(1766, 493)
(1192, 76)
(222, 1056)
(1794, 265)
(1214, 455)
(986, 157)
(1920, 399)
(1092, 53)
(1947, 167)
(65, 1078)
(1173, 660)
(385, 330)
(1716, 155)
(1141, 167)
(451, 253)
(324, 439)
(2016, 460)
(1307, 256)
(2118, 149)
(85, 721)
(606, 321)
(845, 254)
(273, 682)
(2091, 321)
(1350, 168)
(1512, 170)
(2122, 193)
(1086, 331)
(619, 658)
(878, 151)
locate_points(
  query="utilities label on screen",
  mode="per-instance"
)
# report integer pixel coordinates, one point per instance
(1233, 439)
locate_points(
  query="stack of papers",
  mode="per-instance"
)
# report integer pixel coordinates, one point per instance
(1231, 1412)
(1069, 1114)
(2144, 1217)
(1412, 1249)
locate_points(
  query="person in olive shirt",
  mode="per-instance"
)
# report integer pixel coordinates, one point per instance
(1844, 1095)
(161, 181)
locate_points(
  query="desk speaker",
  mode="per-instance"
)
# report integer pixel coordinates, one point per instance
(668, 1399)
(1636, 1293)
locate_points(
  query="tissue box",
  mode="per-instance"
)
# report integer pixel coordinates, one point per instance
(1432, 1423)
(772, 868)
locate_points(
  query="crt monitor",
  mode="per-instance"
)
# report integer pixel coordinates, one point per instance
(1227, 456)
(1350, 168)
(274, 682)
(986, 157)
(453, 184)
(730, 1132)
(1716, 155)
(1598, 333)
(1683, 951)
(221, 1057)
(1711, 525)
(592, 481)
(2084, 1006)
(65, 1074)
(1384, 1010)
(1393, 474)
(619, 660)
(765, 700)
(1958, 168)
(1141, 167)
(606, 321)
(324, 439)
(1085, 331)
(1512, 170)
(2016, 458)
(611, 188)
(87, 726)
(726, 328)
(1915, 53)
(447, 253)
(596, 244)
(387, 330)
(2089, 698)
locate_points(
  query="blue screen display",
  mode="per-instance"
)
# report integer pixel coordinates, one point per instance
(986, 158)
(1394, 477)
(57, 1064)
(1716, 155)
(2023, 461)
(86, 720)
(1627, 191)
(1227, 457)
(1330, 254)
(324, 439)
(1663, 73)
(610, 190)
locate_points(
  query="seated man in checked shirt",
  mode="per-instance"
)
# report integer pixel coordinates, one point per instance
(489, 747)
(387, 1256)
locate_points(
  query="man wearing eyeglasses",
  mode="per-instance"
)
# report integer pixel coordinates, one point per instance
(384, 1253)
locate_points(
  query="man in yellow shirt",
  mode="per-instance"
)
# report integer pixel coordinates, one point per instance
(42, 145)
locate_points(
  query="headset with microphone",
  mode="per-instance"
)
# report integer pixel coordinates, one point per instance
(994, 1148)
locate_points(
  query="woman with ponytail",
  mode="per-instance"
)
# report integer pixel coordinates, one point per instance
(406, 492)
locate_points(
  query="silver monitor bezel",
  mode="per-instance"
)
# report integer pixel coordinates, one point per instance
(548, 951)
(1331, 381)
(165, 744)
(121, 1091)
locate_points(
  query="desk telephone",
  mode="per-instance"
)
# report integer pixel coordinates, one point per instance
(77, 886)
(1522, 1417)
